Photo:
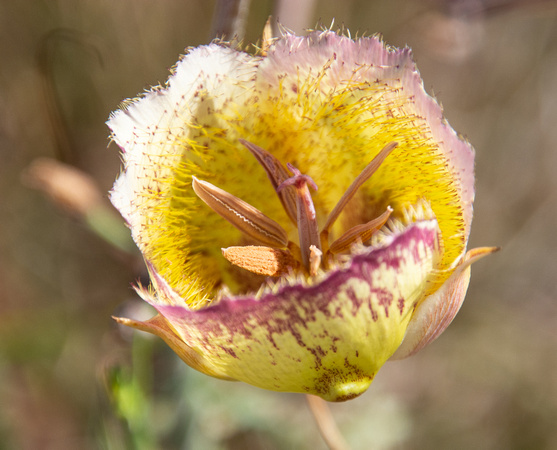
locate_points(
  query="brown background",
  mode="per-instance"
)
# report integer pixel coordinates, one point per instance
(69, 378)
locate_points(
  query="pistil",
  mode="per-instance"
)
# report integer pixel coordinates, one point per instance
(308, 232)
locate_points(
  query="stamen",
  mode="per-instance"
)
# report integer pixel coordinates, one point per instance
(360, 233)
(242, 215)
(299, 207)
(277, 174)
(369, 170)
(307, 224)
(267, 261)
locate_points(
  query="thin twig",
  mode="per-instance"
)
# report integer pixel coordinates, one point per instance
(229, 19)
(295, 15)
(47, 50)
(326, 423)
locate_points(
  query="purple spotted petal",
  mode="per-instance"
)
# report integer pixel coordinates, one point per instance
(329, 338)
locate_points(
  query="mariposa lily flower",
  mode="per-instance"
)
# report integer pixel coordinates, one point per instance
(304, 212)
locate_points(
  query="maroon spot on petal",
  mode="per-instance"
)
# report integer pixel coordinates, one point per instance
(318, 354)
(336, 377)
(229, 351)
(345, 398)
(401, 305)
(385, 299)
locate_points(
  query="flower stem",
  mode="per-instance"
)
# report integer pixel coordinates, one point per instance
(326, 423)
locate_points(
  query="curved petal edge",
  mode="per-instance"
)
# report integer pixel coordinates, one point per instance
(436, 312)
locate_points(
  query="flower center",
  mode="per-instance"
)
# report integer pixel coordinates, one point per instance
(280, 256)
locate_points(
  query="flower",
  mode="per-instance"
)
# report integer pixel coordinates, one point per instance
(304, 212)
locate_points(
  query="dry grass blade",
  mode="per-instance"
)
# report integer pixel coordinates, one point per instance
(242, 215)
(266, 38)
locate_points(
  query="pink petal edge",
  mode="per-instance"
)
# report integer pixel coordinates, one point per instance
(436, 312)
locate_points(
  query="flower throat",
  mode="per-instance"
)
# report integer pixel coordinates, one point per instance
(279, 255)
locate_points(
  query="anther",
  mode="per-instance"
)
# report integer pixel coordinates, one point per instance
(277, 173)
(368, 171)
(242, 215)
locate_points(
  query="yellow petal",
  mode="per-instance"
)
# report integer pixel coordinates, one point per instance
(324, 103)
(328, 338)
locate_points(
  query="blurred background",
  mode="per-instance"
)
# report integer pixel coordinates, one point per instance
(70, 378)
